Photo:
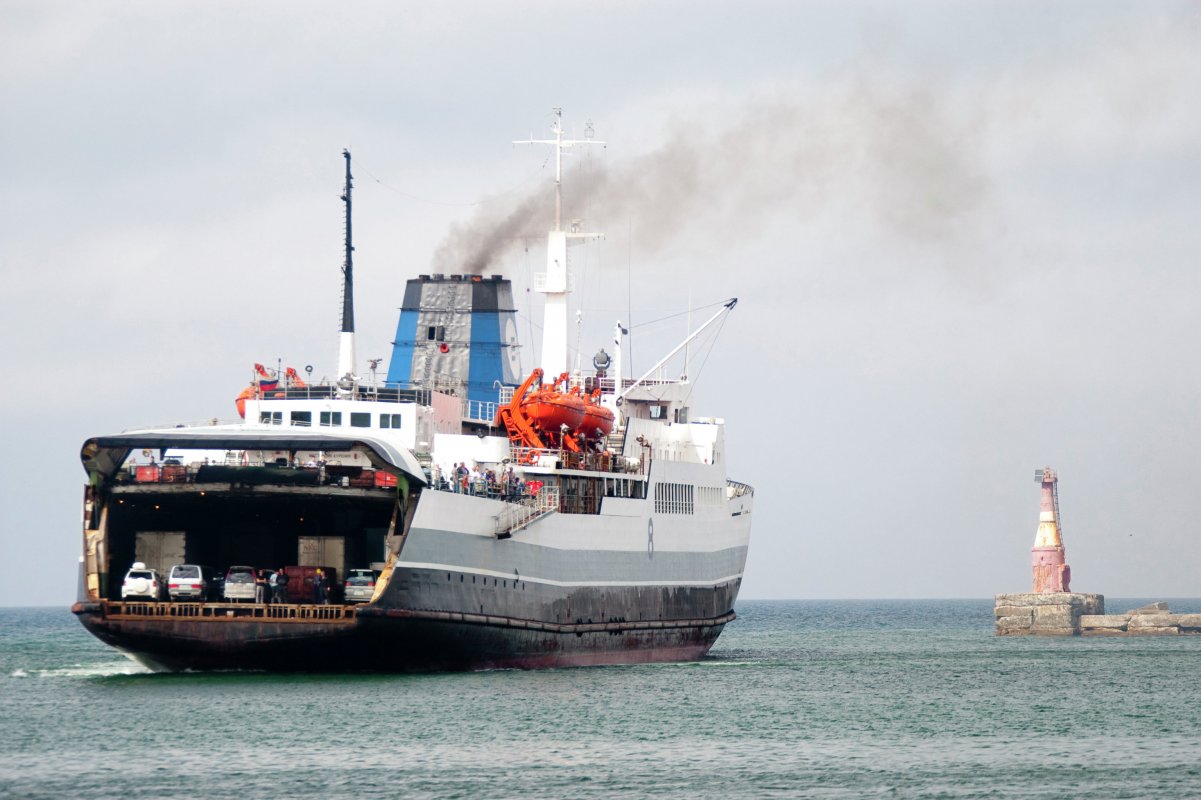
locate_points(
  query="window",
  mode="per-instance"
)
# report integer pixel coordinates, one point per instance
(389, 421)
(674, 498)
(302, 418)
(331, 419)
(436, 333)
(359, 419)
(271, 417)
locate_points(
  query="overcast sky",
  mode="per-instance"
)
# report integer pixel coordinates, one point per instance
(966, 238)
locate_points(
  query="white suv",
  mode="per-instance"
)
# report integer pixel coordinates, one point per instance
(142, 582)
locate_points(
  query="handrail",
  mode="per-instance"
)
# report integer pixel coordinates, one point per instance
(740, 489)
(515, 516)
(284, 612)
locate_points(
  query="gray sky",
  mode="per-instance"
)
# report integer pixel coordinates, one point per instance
(965, 238)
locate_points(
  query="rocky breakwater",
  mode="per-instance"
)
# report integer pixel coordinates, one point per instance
(1045, 613)
(1152, 620)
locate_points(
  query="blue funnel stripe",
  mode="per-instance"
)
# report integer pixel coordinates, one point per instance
(400, 368)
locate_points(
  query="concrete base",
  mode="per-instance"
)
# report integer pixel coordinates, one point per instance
(1045, 614)
(1152, 620)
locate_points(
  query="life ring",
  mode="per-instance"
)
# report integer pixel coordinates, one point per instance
(444, 348)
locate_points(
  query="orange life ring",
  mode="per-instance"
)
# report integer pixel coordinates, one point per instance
(444, 347)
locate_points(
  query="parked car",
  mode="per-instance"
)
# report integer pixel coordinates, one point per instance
(189, 582)
(239, 583)
(360, 585)
(142, 582)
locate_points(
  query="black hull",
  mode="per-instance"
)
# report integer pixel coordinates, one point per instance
(393, 640)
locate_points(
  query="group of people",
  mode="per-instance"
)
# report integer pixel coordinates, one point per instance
(272, 587)
(484, 483)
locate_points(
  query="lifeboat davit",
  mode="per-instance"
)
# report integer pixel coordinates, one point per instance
(598, 422)
(550, 410)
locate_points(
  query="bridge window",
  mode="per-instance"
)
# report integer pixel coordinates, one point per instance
(360, 419)
(389, 421)
(331, 419)
(302, 418)
(271, 417)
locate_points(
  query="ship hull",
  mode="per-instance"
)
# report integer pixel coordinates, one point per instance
(631, 576)
(392, 640)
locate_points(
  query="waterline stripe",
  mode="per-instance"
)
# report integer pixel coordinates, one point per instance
(550, 582)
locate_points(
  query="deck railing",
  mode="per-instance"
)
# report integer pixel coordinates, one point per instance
(515, 516)
(292, 612)
(739, 489)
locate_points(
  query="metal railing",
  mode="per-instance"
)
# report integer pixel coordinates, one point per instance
(481, 411)
(740, 489)
(515, 516)
(292, 612)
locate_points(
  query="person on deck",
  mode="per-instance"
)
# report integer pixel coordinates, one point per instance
(318, 587)
(279, 592)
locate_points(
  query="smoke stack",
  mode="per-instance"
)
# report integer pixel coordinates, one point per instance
(1051, 572)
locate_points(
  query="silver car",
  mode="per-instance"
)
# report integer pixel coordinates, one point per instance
(359, 586)
(239, 583)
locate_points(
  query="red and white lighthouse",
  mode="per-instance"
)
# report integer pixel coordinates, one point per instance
(1051, 572)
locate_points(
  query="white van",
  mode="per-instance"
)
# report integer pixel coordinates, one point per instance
(189, 582)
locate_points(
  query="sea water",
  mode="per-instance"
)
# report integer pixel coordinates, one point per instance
(824, 699)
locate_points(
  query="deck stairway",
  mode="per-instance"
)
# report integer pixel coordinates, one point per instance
(516, 516)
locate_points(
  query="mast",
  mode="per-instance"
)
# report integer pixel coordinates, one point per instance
(346, 354)
(554, 282)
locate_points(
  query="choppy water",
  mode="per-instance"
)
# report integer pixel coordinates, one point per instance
(834, 699)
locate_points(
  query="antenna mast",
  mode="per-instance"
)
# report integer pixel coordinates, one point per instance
(554, 282)
(346, 354)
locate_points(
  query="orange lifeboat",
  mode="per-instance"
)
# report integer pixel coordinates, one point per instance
(598, 421)
(243, 396)
(550, 410)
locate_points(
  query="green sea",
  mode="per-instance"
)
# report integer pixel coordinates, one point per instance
(822, 699)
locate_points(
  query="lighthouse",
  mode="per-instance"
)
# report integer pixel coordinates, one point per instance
(1051, 572)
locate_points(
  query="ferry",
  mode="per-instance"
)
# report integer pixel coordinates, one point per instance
(500, 519)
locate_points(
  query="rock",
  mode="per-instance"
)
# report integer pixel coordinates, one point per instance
(1018, 622)
(1160, 620)
(1151, 608)
(1026, 599)
(1055, 616)
(1192, 621)
(1116, 622)
(1166, 630)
